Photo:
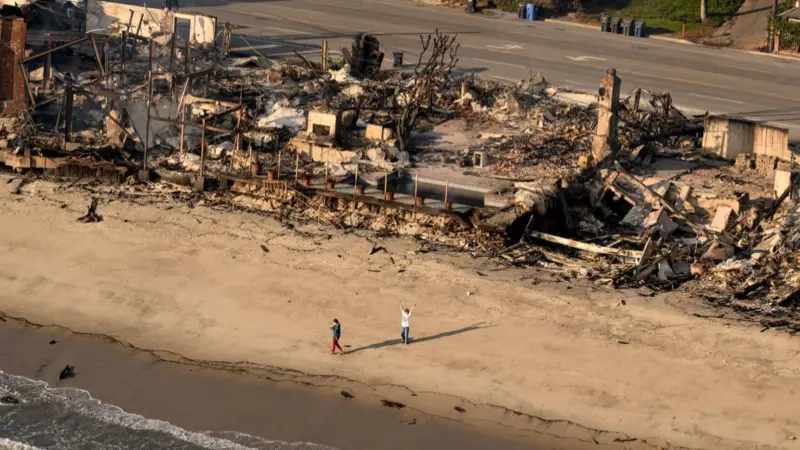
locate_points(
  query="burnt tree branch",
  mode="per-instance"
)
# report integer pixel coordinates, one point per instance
(436, 60)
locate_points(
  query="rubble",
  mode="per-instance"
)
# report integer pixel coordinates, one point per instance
(626, 191)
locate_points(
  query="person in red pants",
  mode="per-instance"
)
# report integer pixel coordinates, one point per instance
(336, 330)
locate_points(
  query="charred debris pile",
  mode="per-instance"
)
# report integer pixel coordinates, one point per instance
(623, 190)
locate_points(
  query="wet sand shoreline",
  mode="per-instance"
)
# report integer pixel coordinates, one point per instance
(201, 398)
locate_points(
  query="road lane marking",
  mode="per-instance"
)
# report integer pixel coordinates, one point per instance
(746, 69)
(489, 61)
(585, 58)
(506, 47)
(721, 99)
(287, 30)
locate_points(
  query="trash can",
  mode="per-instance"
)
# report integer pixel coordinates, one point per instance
(530, 11)
(613, 25)
(638, 28)
(398, 59)
(603, 24)
(625, 24)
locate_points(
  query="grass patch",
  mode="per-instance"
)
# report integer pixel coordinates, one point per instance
(662, 26)
(505, 5)
(669, 14)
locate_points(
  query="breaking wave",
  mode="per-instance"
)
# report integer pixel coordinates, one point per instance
(69, 418)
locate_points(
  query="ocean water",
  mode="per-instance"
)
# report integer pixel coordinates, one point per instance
(69, 418)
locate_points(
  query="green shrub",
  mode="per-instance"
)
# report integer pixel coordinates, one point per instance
(506, 5)
(674, 10)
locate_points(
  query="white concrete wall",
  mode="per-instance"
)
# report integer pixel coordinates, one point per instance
(739, 139)
(772, 141)
(715, 136)
(728, 138)
(114, 17)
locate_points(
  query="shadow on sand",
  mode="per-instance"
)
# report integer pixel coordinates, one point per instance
(391, 342)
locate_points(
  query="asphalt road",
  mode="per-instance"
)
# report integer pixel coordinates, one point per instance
(699, 78)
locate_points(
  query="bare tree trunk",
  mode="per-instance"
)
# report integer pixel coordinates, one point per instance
(703, 10)
(436, 60)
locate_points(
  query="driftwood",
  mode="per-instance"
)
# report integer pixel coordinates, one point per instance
(592, 248)
(91, 215)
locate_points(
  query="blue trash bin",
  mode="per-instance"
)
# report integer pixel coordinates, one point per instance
(530, 11)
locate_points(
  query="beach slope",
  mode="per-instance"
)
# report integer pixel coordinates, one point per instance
(526, 349)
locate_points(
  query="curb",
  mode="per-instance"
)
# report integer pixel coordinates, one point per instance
(771, 55)
(675, 40)
(573, 24)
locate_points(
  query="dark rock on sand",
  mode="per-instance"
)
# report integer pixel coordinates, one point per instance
(346, 394)
(460, 409)
(8, 400)
(67, 372)
(392, 404)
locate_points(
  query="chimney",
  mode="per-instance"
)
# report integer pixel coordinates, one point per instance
(12, 50)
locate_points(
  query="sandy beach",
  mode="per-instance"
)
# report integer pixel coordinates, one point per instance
(525, 354)
(207, 399)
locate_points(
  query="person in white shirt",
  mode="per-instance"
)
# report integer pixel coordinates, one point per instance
(405, 323)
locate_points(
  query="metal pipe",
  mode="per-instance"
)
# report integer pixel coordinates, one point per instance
(203, 148)
(48, 63)
(324, 55)
(238, 130)
(226, 111)
(68, 118)
(106, 62)
(147, 123)
(55, 49)
(150, 59)
(122, 56)
(183, 128)
(97, 56)
(172, 44)
(355, 188)
(183, 97)
(187, 66)
(296, 166)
